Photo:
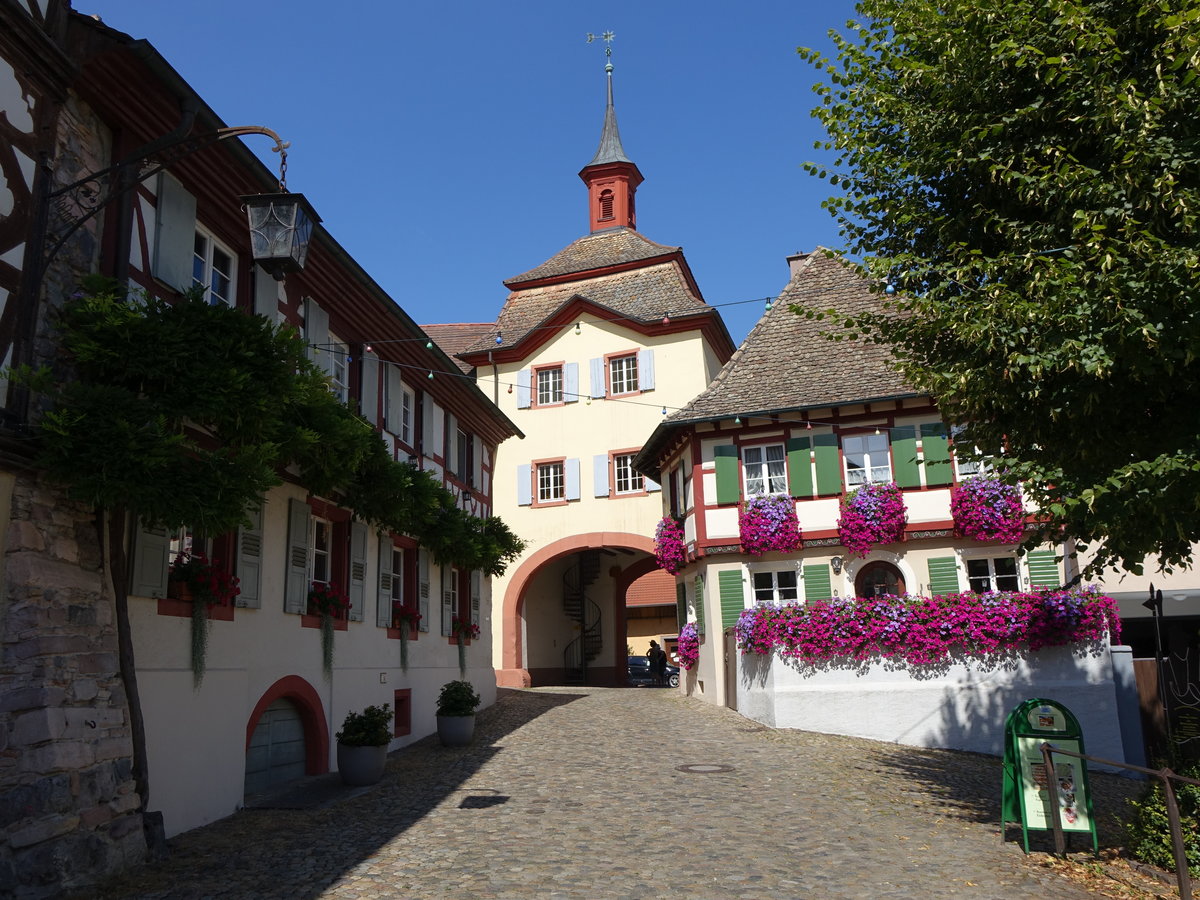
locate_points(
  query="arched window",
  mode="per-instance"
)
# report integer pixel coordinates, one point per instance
(606, 204)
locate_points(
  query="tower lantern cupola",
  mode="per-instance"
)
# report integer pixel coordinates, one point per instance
(611, 177)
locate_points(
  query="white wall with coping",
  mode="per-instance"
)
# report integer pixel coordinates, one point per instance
(961, 708)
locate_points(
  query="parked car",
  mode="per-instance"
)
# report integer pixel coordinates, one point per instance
(639, 672)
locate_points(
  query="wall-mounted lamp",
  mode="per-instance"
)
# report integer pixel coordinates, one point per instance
(836, 562)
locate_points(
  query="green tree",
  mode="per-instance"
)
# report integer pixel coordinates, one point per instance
(1026, 174)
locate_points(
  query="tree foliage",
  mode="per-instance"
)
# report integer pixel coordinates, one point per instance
(1026, 174)
(185, 413)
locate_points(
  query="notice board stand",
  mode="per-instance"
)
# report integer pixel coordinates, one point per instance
(1029, 790)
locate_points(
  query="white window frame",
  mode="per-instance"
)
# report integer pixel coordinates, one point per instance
(397, 577)
(628, 481)
(548, 386)
(757, 475)
(408, 403)
(339, 368)
(992, 576)
(967, 468)
(464, 448)
(320, 557)
(876, 457)
(775, 592)
(550, 482)
(625, 367)
(203, 268)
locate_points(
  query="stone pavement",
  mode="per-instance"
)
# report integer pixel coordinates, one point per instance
(579, 793)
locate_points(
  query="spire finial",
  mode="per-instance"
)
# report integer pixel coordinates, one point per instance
(610, 139)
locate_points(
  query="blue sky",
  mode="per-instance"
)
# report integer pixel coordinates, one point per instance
(440, 142)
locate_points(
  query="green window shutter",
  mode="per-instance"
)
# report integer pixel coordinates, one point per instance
(936, 453)
(816, 583)
(829, 464)
(943, 576)
(729, 586)
(728, 474)
(799, 467)
(1043, 569)
(699, 604)
(905, 470)
(680, 606)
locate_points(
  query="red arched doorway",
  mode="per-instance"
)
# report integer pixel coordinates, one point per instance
(293, 707)
(877, 578)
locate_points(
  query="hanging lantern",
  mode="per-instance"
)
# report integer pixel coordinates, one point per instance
(280, 229)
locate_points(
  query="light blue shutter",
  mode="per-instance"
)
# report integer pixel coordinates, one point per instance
(395, 401)
(174, 233)
(571, 477)
(295, 591)
(358, 570)
(249, 560)
(447, 601)
(597, 372)
(150, 551)
(571, 383)
(383, 594)
(646, 370)
(476, 596)
(600, 474)
(426, 441)
(316, 332)
(452, 460)
(523, 391)
(524, 485)
(266, 295)
(370, 386)
(477, 464)
(423, 589)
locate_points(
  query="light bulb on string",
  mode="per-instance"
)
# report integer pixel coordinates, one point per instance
(510, 388)
(767, 306)
(664, 411)
(808, 425)
(577, 329)
(430, 376)
(666, 319)
(429, 345)
(890, 289)
(368, 348)
(499, 338)
(737, 420)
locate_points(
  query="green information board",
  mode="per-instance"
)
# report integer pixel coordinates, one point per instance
(1029, 790)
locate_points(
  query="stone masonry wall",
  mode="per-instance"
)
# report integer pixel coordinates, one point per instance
(68, 809)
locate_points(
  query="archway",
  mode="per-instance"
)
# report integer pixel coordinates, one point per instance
(541, 570)
(293, 697)
(877, 578)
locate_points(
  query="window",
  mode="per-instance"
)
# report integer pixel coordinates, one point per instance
(397, 577)
(549, 386)
(965, 468)
(867, 459)
(407, 403)
(626, 479)
(213, 269)
(998, 574)
(775, 587)
(550, 482)
(623, 374)
(465, 456)
(339, 381)
(320, 567)
(766, 470)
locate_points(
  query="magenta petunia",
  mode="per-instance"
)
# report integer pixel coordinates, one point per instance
(987, 509)
(872, 514)
(768, 522)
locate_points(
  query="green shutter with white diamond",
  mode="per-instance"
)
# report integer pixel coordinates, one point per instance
(943, 575)
(1043, 569)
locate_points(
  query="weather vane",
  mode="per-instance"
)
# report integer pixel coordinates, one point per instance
(607, 37)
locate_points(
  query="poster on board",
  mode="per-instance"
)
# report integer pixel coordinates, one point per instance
(1066, 788)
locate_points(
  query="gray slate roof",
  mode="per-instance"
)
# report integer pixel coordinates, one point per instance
(610, 149)
(611, 247)
(785, 363)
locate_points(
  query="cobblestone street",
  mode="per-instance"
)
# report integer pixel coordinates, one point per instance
(579, 793)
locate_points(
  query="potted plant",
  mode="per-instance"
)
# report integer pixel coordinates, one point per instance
(456, 707)
(193, 578)
(362, 745)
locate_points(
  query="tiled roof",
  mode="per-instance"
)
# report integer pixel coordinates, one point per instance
(642, 294)
(457, 337)
(786, 363)
(593, 251)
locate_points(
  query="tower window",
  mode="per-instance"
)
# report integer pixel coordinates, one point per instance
(606, 204)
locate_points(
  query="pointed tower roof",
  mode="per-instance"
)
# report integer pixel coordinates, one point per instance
(610, 149)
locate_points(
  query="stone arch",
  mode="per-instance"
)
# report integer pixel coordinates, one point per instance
(312, 715)
(513, 673)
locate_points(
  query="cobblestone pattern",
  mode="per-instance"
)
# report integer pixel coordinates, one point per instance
(576, 793)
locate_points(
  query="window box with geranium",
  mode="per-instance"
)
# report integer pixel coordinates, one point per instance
(987, 509)
(669, 549)
(768, 522)
(203, 583)
(463, 631)
(688, 649)
(329, 603)
(406, 619)
(872, 514)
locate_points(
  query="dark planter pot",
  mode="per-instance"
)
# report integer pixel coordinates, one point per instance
(456, 731)
(361, 765)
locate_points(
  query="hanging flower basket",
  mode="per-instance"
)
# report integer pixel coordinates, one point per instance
(406, 619)
(768, 522)
(873, 514)
(329, 603)
(465, 630)
(669, 549)
(688, 649)
(192, 577)
(987, 509)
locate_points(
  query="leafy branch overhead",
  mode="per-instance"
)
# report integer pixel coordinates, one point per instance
(1028, 177)
(187, 413)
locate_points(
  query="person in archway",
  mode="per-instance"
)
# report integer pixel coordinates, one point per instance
(658, 663)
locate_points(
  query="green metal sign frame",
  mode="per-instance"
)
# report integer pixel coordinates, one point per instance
(1028, 790)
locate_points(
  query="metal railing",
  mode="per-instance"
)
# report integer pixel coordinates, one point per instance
(1165, 775)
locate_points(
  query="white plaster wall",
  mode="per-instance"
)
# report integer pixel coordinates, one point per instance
(962, 708)
(928, 506)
